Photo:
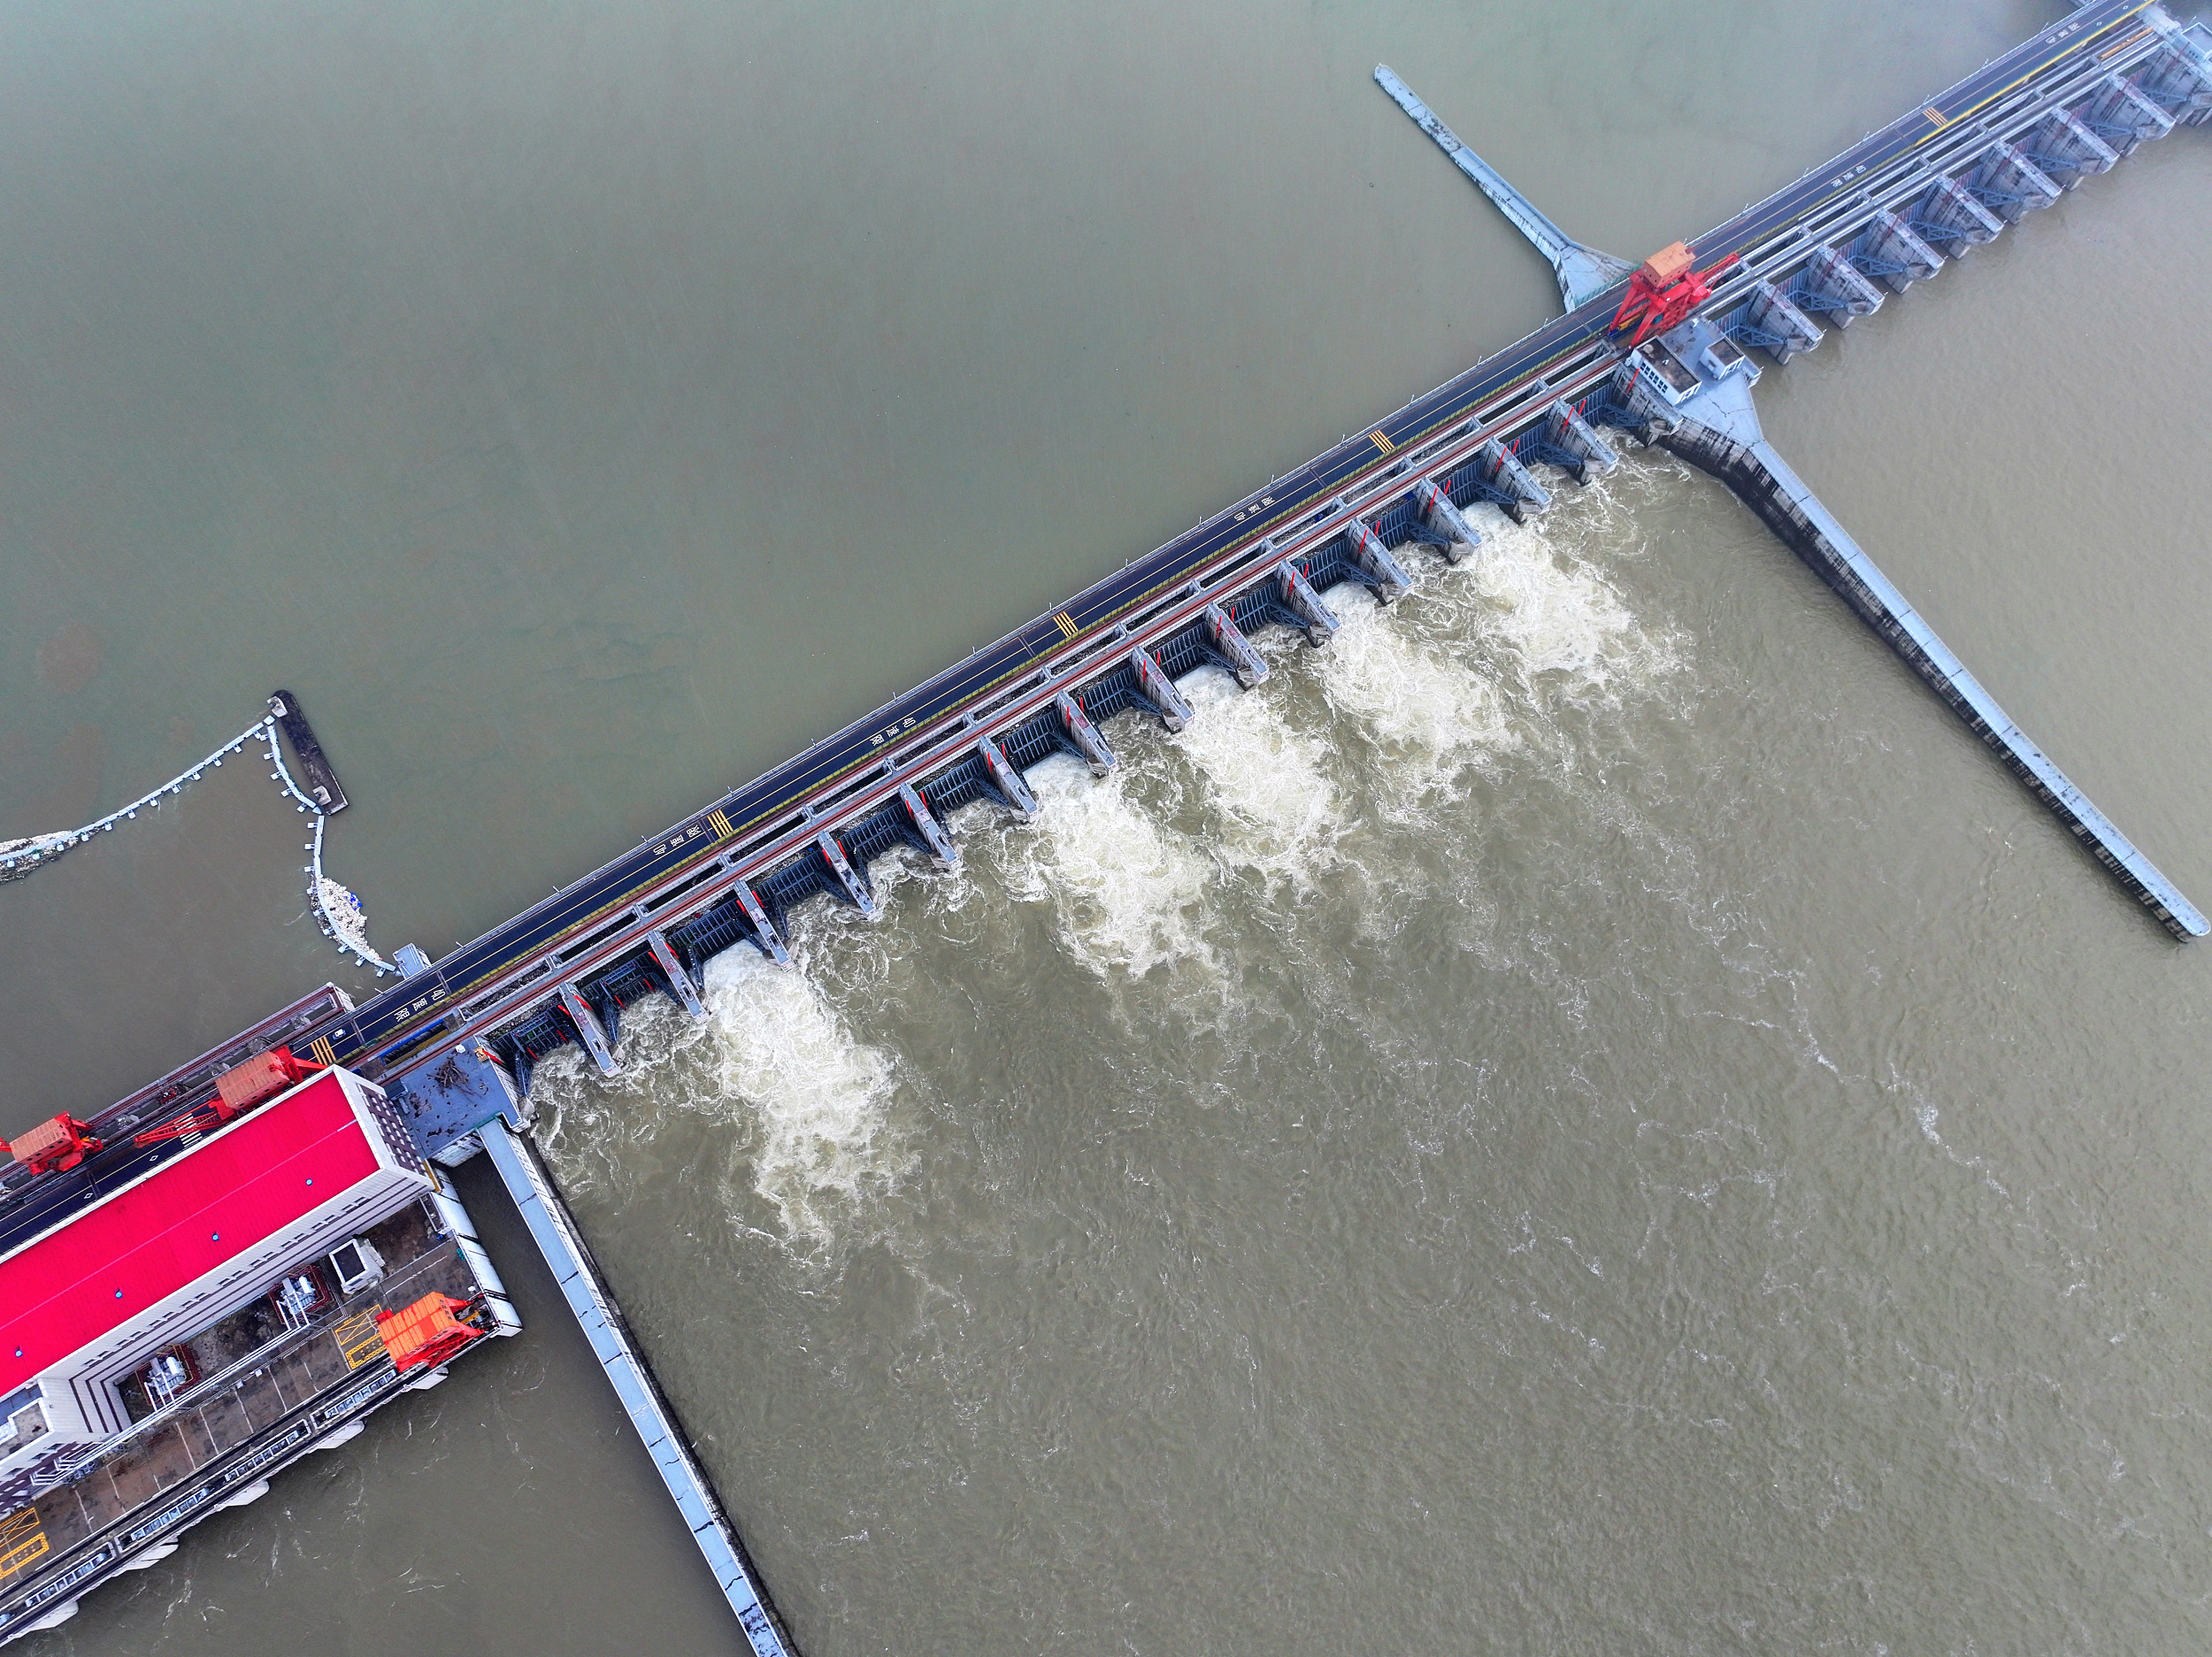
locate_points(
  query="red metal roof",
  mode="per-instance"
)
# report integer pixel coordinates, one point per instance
(235, 1189)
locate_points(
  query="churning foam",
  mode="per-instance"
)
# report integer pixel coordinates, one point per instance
(773, 1060)
(1122, 891)
(1268, 778)
(1428, 713)
(1563, 627)
(817, 1099)
(1466, 668)
(1475, 660)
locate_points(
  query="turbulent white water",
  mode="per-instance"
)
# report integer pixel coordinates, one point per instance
(1279, 812)
(817, 1097)
(1427, 712)
(1123, 890)
(1560, 627)
(1330, 1089)
(1153, 875)
(777, 1061)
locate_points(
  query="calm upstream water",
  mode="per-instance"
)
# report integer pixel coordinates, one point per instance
(1590, 1116)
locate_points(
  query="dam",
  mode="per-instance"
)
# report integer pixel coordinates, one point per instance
(454, 1045)
(1960, 168)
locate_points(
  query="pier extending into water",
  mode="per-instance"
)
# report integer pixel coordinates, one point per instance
(581, 1284)
(1692, 397)
(455, 1044)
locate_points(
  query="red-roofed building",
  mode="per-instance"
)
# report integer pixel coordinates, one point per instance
(89, 1301)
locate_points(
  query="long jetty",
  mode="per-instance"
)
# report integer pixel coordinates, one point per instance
(455, 1043)
(581, 1284)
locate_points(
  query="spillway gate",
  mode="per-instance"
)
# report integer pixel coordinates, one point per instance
(1824, 253)
(1371, 515)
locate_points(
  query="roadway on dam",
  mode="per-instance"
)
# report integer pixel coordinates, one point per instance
(1616, 982)
(397, 1023)
(2097, 30)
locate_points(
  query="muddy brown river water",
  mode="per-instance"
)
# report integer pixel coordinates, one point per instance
(1589, 1117)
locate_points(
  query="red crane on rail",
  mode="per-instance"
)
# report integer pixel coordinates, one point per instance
(1666, 288)
(56, 1144)
(237, 1090)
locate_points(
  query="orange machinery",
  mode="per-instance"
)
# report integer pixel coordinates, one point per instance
(426, 1332)
(237, 1090)
(57, 1143)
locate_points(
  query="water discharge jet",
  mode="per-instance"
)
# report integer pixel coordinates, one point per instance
(731, 875)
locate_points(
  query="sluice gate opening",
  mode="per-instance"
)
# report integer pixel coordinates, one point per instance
(444, 1064)
(1867, 232)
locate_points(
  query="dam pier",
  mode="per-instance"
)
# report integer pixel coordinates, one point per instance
(129, 1419)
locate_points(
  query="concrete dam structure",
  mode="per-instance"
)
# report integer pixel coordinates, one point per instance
(441, 1066)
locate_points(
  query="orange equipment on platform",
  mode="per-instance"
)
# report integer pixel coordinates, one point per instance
(426, 1332)
(56, 1144)
(1666, 288)
(237, 1090)
(262, 1076)
(1670, 264)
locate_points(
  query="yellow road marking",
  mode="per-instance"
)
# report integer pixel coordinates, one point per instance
(2073, 45)
(22, 1539)
(359, 1338)
(1936, 117)
(1068, 629)
(2067, 50)
(325, 1054)
(722, 829)
(1381, 442)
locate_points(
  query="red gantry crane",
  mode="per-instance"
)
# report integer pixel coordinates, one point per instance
(1666, 288)
(237, 1090)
